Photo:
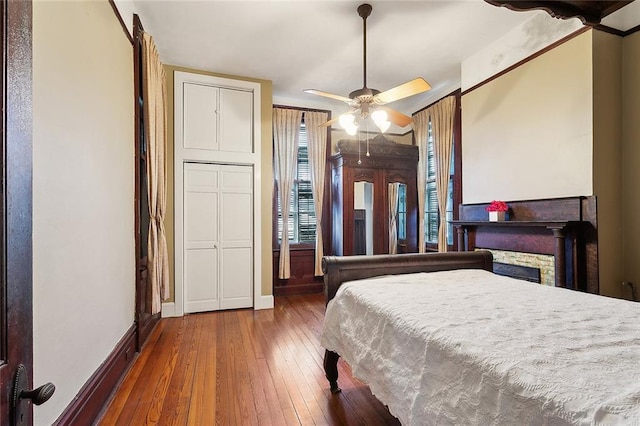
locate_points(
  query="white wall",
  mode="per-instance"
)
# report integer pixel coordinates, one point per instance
(126, 9)
(528, 134)
(526, 39)
(83, 230)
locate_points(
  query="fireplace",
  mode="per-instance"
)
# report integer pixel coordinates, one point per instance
(532, 267)
(564, 230)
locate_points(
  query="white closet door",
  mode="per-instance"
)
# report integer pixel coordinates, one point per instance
(201, 237)
(236, 237)
(200, 117)
(236, 122)
(218, 237)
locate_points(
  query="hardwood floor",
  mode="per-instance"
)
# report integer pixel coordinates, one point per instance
(241, 367)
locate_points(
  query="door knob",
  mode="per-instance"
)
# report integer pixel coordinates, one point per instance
(39, 395)
(21, 396)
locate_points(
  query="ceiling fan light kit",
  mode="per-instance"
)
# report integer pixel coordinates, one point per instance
(348, 123)
(367, 103)
(381, 119)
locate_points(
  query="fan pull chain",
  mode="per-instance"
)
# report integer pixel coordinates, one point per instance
(359, 134)
(367, 124)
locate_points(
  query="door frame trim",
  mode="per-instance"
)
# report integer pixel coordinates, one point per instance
(182, 155)
(144, 320)
(16, 205)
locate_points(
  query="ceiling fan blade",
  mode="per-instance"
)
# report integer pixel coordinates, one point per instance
(405, 90)
(328, 95)
(397, 118)
(330, 122)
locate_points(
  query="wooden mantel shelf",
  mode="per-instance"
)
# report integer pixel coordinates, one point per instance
(558, 228)
(555, 224)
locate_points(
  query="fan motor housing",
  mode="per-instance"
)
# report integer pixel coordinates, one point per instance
(363, 94)
(364, 10)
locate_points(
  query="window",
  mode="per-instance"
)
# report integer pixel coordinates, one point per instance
(402, 212)
(431, 213)
(302, 215)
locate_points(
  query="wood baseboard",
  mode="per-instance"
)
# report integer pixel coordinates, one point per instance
(314, 287)
(96, 392)
(147, 323)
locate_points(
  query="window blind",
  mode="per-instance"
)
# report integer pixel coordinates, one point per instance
(302, 215)
(431, 213)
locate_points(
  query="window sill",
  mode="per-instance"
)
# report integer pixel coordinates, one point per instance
(434, 248)
(298, 247)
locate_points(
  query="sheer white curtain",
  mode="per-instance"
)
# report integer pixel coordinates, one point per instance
(317, 141)
(155, 96)
(393, 213)
(442, 115)
(421, 131)
(286, 130)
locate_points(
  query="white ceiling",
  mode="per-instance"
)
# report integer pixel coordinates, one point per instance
(624, 19)
(302, 44)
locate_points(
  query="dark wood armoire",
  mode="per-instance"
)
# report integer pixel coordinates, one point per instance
(387, 162)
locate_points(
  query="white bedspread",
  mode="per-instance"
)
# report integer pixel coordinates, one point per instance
(468, 347)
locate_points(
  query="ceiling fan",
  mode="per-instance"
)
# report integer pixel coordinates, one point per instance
(367, 102)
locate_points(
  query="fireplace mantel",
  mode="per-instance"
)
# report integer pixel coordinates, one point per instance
(522, 240)
(565, 228)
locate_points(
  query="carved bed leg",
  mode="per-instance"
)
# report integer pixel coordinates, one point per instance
(331, 370)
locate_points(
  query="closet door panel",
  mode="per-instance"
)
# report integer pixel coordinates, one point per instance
(201, 225)
(237, 273)
(201, 271)
(201, 234)
(200, 117)
(236, 239)
(236, 123)
(237, 218)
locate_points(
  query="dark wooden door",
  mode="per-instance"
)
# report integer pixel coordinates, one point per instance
(145, 321)
(16, 319)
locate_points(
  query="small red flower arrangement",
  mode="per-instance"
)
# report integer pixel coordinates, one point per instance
(497, 206)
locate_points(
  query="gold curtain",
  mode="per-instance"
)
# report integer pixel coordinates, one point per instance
(317, 140)
(155, 98)
(393, 213)
(442, 115)
(421, 131)
(286, 131)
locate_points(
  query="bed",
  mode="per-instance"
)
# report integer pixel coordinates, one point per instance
(440, 339)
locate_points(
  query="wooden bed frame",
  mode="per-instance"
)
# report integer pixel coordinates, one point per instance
(338, 270)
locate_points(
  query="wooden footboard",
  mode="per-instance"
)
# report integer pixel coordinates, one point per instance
(338, 270)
